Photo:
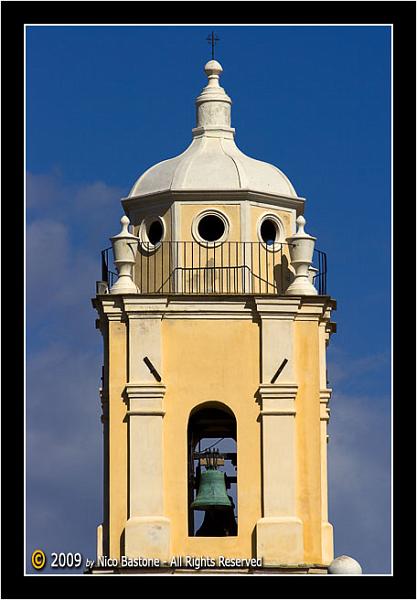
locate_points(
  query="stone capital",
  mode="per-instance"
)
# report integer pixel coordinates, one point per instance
(310, 311)
(142, 307)
(325, 395)
(145, 399)
(108, 307)
(278, 399)
(277, 308)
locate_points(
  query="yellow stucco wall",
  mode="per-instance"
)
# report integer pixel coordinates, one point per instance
(206, 360)
(189, 211)
(162, 211)
(150, 269)
(277, 267)
(153, 270)
(308, 436)
(218, 360)
(257, 212)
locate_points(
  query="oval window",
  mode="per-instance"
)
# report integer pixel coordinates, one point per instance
(211, 228)
(155, 232)
(151, 233)
(269, 232)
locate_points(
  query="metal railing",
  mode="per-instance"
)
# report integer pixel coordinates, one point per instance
(214, 268)
(106, 275)
(320, 279)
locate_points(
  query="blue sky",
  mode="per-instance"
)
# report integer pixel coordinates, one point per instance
(104, 104)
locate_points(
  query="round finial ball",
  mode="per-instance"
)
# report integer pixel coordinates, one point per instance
(301, 221)
(213, 68)
(124, 220)
(345, 565)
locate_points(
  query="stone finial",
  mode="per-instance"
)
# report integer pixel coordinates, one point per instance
(301, 247)
(125, 246)
(300, 222)
(125, 233)
(213, 69)
(213, 105)
(125, 224)
(345, 565)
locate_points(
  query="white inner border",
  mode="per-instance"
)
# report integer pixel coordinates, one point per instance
(211, 24)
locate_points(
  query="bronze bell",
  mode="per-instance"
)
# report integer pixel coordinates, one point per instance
(212, 492)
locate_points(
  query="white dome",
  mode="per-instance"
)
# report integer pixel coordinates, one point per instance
(213, 161)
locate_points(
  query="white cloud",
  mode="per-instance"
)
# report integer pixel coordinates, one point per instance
(45, 190)
(360, 479)
(64, 449)
(48, 252)
(342, 367)
(67, 227)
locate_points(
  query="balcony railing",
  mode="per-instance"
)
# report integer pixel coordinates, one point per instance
(215, 268)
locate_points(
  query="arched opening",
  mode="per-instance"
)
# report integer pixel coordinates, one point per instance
(212, 455)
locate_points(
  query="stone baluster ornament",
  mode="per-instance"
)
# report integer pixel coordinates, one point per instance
(312, 272)
(125, 247)
(301, 246)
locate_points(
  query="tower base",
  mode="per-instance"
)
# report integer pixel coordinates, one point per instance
(148, 537)
(313, 569)
(327, 552)
(279, 541)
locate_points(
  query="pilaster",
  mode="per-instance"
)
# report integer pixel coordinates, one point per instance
(147, 531)
(279, 531)
(114, 426)
(277, 336)
(326, 527)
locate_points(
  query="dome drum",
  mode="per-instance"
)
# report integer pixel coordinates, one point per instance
(233, 212)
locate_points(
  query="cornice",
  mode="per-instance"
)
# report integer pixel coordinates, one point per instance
(168, 195)
(204, 308)
(141, 306)
(315, 308)
(109, 306)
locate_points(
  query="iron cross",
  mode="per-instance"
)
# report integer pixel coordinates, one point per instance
(212, 39)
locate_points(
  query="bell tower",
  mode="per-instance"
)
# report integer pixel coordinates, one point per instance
(214, 391)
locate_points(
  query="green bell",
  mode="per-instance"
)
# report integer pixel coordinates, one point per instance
(211, 492)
